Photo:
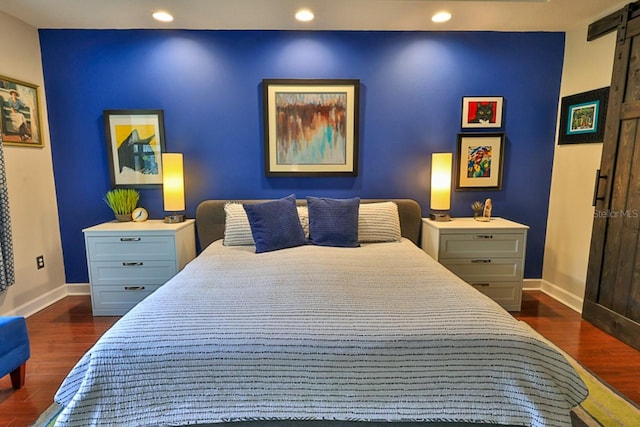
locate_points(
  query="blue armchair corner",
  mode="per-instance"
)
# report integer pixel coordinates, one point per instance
(14, 349)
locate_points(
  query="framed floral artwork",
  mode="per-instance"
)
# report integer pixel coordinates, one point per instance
(480, 161)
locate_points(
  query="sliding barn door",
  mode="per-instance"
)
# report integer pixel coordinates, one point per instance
(612, 298)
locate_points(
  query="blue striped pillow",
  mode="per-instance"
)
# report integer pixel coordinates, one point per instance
(275, 225)
(333, 222)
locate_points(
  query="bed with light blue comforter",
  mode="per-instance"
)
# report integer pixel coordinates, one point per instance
(377, 333)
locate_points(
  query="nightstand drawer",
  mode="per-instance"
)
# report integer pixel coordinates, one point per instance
(485, 269)
(138, 247)
(134, 272)
(481, 243)
(118, 299)
(507, 294)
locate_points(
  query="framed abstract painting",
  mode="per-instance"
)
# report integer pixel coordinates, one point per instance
(135, 143)
(310, 127)
(480, 161)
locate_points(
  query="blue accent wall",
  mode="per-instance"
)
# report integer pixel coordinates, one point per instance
(209, 85)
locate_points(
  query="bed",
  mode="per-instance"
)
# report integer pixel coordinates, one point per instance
(315, 335)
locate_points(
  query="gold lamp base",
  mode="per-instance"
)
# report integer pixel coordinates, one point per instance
(172, 219)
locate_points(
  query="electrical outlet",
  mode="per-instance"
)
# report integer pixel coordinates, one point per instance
(40, 261)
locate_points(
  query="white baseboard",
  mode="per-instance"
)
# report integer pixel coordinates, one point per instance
(570, 300)
(531, 284)
(40, 303)
(44, 301)
(78, 289)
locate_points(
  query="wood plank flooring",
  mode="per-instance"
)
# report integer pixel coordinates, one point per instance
(61, 333)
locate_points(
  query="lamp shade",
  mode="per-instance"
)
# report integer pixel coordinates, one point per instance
(441, 181)
(173, 182)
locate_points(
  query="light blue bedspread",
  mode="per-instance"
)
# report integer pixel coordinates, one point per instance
(376, 333)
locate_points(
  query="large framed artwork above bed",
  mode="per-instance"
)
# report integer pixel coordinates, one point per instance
(311, 127)
(327, 332)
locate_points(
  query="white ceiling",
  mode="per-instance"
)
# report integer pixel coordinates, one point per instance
(501, 15)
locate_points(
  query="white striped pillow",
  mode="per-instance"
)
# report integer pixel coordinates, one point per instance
(303, 214)
(378, 222)
(237, 231)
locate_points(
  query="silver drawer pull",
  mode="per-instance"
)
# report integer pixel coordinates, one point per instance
(129, 239)
(480, 261)
(483, 236)
(484, 285)
(132, 264)
(134, 288)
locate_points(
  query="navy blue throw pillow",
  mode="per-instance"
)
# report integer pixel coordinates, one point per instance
(333, 222)
(275, 225)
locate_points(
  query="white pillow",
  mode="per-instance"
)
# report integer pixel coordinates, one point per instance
(303, 214)
(378, 222)
(237, 231)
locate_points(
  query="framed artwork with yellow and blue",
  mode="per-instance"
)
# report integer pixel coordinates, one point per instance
(135, 143)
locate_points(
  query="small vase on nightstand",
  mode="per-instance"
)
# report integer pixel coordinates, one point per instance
(123, 217)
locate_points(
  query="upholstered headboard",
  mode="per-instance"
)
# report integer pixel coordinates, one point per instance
(210, 218)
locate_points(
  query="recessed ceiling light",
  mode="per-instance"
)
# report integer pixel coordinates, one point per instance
(304, 15)
(163, 16)
(443, 16)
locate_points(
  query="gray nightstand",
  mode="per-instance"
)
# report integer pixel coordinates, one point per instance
(487, 255)
(129, 260)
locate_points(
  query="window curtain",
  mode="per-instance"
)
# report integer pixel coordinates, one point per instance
(7, 275)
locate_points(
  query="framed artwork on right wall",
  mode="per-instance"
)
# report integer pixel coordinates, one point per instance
(583, 117)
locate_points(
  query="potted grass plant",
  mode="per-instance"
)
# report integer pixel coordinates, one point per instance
(478, 208)
(122, 202)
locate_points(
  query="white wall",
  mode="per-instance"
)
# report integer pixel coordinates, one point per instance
(587, 66)
(32, 197)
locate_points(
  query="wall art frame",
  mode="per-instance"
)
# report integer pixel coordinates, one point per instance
(583, 117)
(135, 143)
(20, 122)
(482, 112)
(480, 160)
(311, 127)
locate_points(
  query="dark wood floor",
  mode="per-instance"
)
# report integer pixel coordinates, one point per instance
(61, 333)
